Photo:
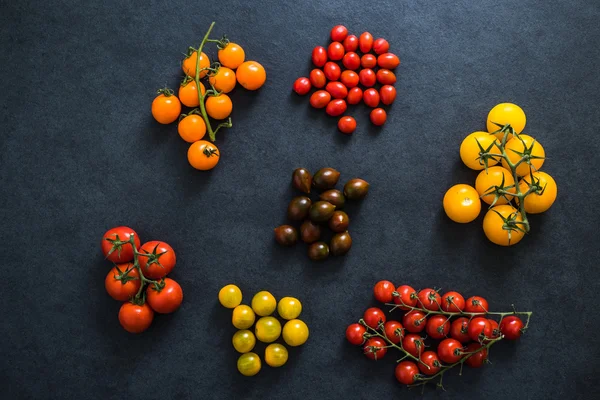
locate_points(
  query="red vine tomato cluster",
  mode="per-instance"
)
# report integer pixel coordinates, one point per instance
(221, 77)
(434, 333)
(139, 278)
(352, 69)
(510, 181)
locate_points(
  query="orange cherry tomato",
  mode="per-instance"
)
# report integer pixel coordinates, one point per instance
(219, 107)
(462, 204)
(224, 80)
(188, 93)
(122, 289)
(251, 75)
(232, 56)
(493, 225)
(203, 155)
(134, 318)
(488, 180)
(166, 107)
(189, 64)
(192, 128)
(388, 61)
(167, 299)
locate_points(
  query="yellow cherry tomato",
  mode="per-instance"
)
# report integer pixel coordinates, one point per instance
(230, 296)
(488, 180)
(166, 107)
(243, 341)
(289, 308)
(224, 80)
(493, 225)
(203, 155)
(219, 107)
(295, 332)
(541, 200)
(506, 113)
(188, 93)
(461, 203)
(249, 364)
(470, 151)
(251, 75)
(524, 144)
(276, 355)
(192, 128)
(232, 56)
(189, 64)
(263, 303)
(268, 329)
(242, 317)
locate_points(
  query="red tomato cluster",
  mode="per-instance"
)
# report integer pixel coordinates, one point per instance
(351, 77)
(460, 329)
(139, 278)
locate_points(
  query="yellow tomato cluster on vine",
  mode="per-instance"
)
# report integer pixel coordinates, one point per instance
(509, 162)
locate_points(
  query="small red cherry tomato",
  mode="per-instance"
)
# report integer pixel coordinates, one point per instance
(367, 77)
(414, 321)
(449, 351)
(375, 349)
(354, 334)
(511, 327)
(373, 316)
(479, 328)
(430, 364)
(339, 33)
(368, 61)
(406, 371)
(365, 42)
(383, 291)
(452, 301)
(459, 330)
(378, 116)
(430, 299)
(394, 331)
(337, 90)
(407, 296)
(320, 99)
(413, 344)
(350, 43)
(437, 327)
(302, 86)
(349, 78)
(335, 51)
(317, 78)
(386, 77)
(388, 94)
(388, 61)
(347, 125)
(351, 60)
(319, 56)
(371, 97)
(476, 304)
(332, 71)
(380, 46)
(476, 360)
(354, 95)
(336, 107)
(495, 328)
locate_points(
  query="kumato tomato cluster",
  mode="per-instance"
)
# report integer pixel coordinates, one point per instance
(267, 328)
(510, 181)
(315, 214)
(435, 332)
(352, 69)
(139, 278)
(220, 77)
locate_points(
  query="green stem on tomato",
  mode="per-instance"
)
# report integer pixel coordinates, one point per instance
(139, 298)
(211, 133)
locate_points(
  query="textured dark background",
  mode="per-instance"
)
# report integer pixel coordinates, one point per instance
(81, 153)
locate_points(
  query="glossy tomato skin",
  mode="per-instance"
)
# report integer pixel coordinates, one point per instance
(135, 318)
(495, 176)
(378, 116)
(188, 93)
(476, 304)
(437, 327)
(388, 61)
(449, 351)
(189, 64)
(302, 86)
(347, 125)
(414, 321)
(335, 51)
(383, 291)
(354, 334)
(368, 61)
(251, 75)
(123, 253)
(350, 43)
(385, 76)
(470, 151)
(351, 61)
(339, 33)
(433, 366)
(160, 252)
(337, 90)
(511, 327)
(387, 94)
(354, 95)
(332, 71)
(461, 203)
(459, 330)
(373, 316)
(453, 302)
(429, 299)
(479, 326)
(371, 97)
(541, 200)
(116, 288)
(192, 128)
(349, 78)
(367, 77)
(394, 331)
(413, 344)
(407, 295)
(232, 56)
(495, 328)
(167, 300)
(374, 349)
(405, 372)
(320, 99)
(365, 42)
(493, 225)
(319, 56)
(224, 80)
(220, 106)
(317, 78)
(336, 107)
(203, 155)
(475, 360)
(380, 46)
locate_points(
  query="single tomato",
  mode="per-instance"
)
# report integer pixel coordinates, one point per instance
(113, 246)
(231, 56)
(354, 95)
(474, 146)
(387, 94)
(371, 97)
(203, 155)
(192, 128)
(541, 199)
(495, 178)
(122, 282)
(497, 230)
(506, 113)
(189, 65)
(219, 106)
(317, 78)
(349, 78)
(251, 75)
(461, 203)
(351, 60)
(224, 80)
(166, 107)
(319, 56)
(156, 259)
(135, 318)
(166, 299)
(526, 147)
(188, 93)
(320, 99)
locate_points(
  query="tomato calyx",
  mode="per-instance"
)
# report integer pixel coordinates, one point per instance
(117, 245)
(166, 91)
(124, 276)
(485, 154)
(210, 152)
(511, 224)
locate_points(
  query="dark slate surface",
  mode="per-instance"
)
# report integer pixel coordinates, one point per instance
(81, 153)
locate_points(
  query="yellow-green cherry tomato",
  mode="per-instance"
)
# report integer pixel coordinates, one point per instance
(249, 364)
(276, 355)
(295, 332)
(230, 296)
(243, 341)
(242, 317)
(268, 329)
(289, 308)
(263, 303)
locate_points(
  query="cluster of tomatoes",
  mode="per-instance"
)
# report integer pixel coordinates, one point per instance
(341, 86)
(267, 329)
(324, 211)
(510, 181)
(139, 278)
(461, 328)
(221, 78)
